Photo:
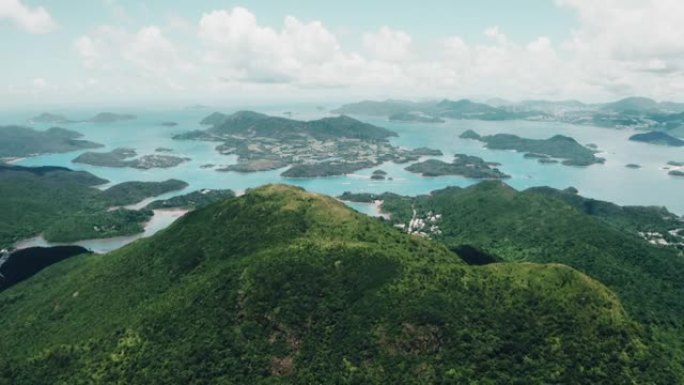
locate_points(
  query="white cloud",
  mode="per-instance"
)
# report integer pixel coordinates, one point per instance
(39, 83)
(85, 47)
(388, 44)
(616, 50)
(633, 44)
(141, 61)
(246, 51)
(34, 20)
(151, 50)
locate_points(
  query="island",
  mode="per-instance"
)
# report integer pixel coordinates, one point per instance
(463, 165)
(127, 157)
(19, 142)
(633, 166)
(431, 111)
(48, 118)
(659, 138)
(193, 200)
(634, 112)
(324, 147)
(110, 117)
(379, 175)
(675, 163)
(169, 124)
(676, 173)
(414, 117)
(558, 146)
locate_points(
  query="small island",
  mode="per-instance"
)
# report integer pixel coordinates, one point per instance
(633, 166)
(675, 163)
(19, 142)
(676, 173)
(659, 138)
(379, 175)
(169, 124)
(463, 165)
(126, 157)
(558, 146)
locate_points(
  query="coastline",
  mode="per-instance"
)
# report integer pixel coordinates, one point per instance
(162, 219)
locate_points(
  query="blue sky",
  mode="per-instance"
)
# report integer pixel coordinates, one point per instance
(119, 51)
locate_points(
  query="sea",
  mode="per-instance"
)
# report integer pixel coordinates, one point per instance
(649, 185)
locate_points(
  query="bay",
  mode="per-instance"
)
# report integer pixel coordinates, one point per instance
(612, 181)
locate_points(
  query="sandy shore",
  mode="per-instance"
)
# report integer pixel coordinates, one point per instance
(12, 160)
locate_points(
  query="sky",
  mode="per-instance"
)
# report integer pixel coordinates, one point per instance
(89, 52)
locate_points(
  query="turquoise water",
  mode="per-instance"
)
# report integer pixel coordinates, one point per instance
(650, 185)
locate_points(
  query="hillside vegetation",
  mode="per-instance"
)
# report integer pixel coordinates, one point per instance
(281, 286)
(548, 226)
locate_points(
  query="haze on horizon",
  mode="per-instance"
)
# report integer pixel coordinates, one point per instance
(124, 51)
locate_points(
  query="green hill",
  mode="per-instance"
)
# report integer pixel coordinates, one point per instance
(542, 226)
(281, 286)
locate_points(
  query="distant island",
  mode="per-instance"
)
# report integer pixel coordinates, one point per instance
(676, 173)
(633, 112)
(633, 166)
(48, 118)
(329, 146)
(126, 157)
(656, 137)
(463, 165)
(414, 117)
(18, 141)
(102, 117)
(559, 146)
(110, 117)
(428, 112)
